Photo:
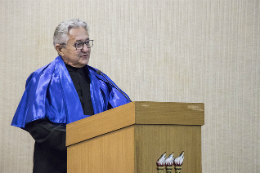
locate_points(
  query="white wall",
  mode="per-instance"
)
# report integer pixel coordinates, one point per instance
(168, 50)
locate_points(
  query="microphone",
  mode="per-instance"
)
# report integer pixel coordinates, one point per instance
(100, 73)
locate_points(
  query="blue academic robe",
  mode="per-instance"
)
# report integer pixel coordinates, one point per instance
(50, 94)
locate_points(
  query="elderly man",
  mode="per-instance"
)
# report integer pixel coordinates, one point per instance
(64, 91)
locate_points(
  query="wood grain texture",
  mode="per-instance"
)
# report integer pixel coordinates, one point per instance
(100, 124)
(169, 113)
(108, 148)
(136, 149)
(151, 141)
(113, 152)
(135, 113)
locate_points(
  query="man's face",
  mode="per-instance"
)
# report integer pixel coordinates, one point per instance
(73, 57)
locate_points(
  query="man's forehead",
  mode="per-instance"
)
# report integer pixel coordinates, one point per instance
(82, 39)
(78, 34)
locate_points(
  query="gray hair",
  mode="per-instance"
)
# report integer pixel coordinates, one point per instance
(61, 32)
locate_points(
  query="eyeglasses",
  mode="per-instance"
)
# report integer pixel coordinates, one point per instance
(80, 46)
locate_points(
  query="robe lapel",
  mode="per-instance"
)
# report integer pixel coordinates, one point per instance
(73, 106)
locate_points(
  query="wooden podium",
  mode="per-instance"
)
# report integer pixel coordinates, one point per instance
(132, 137)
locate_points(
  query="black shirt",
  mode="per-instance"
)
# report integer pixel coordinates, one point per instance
(81, 82)
(50, 152)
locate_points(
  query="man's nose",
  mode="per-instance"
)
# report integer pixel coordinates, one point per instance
(85, 48)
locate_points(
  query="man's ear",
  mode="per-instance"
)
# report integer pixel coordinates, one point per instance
(59, 48)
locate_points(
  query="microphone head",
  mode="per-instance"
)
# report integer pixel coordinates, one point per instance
(99, 72)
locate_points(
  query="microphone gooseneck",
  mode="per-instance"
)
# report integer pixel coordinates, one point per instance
(100, 73)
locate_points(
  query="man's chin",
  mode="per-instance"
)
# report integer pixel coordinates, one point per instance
(84, 61)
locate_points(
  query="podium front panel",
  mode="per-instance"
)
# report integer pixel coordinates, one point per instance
(112, 152)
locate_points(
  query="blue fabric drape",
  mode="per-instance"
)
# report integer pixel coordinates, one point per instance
(50, 93)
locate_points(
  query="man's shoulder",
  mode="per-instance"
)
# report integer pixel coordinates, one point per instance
(37, 73)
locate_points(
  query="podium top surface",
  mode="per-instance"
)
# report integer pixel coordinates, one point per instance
(138, 112)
